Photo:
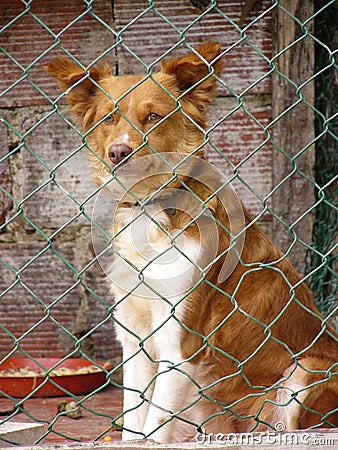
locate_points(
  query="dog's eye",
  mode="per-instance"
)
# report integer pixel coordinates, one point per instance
(110, 120)
(153, 117)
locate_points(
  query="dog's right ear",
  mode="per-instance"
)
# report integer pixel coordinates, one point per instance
(78, 84)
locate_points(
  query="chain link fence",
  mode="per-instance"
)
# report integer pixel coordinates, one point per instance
(271, 130)
(324, 283)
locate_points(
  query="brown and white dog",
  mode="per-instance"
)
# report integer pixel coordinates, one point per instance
(218, 331)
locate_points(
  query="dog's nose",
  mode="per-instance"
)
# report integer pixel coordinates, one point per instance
(118, 153)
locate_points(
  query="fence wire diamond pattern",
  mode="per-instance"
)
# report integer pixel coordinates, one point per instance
(55, 243)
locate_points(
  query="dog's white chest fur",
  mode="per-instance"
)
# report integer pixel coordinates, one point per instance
(152, 270)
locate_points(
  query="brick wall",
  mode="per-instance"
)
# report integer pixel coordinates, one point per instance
(47, 301)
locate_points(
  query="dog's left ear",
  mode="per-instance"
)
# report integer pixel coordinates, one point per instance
(192, 69)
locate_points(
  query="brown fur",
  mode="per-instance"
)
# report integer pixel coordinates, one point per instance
(254, 297)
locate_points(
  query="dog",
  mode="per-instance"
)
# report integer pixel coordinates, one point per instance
(219, 333)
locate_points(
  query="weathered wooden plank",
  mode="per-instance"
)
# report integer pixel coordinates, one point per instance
(293, 131)
(5, 177)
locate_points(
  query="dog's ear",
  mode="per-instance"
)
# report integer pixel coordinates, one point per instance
(192, 69)
(78, 84)
(195, 75)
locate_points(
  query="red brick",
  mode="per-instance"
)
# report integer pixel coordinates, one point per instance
(33, 304)
(243, 64)
(31, 45)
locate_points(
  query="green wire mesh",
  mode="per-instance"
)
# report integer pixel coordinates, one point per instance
(321, 268)
(324, 281)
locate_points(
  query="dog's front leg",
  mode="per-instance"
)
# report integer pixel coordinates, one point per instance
(172, 393)
(138, 373)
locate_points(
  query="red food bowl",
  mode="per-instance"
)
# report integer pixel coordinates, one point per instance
(18, 379)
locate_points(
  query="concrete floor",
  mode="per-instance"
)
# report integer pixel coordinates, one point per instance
(97, 414)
